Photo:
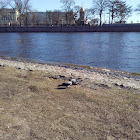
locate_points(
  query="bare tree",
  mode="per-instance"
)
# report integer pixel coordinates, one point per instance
(89, 14)
(35, 18)
(3, 4)
(123, 11)
(112, 5)
(71, 18)
(119, 9)
(3, 10)
(100, 6)
(23, 6)
(67, 5)
(56, 17)
(138, 8)
(49, 17)
(76, 12)
(94, 22)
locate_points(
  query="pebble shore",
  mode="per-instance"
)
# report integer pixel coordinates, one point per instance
(91, 78)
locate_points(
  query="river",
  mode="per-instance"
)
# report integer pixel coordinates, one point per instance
(119, 50)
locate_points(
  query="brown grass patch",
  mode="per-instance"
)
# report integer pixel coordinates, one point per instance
(31, 107)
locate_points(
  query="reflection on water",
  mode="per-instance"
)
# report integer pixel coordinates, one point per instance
(110, 50)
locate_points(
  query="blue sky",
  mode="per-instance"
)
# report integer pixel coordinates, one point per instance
(43, 5)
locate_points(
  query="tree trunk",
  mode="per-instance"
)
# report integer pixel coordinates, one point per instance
(100, 18)
(112, 17)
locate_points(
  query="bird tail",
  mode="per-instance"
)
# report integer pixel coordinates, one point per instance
(61, 85)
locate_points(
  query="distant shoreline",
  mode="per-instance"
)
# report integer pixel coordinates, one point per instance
(104, 28)
(99, 76)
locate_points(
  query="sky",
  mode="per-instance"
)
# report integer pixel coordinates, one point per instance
(43, 5)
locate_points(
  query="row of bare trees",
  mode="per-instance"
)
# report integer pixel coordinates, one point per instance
(117, 10)
(23, 7)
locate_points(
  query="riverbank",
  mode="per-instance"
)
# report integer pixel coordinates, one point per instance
(90, 76)
(32, 107)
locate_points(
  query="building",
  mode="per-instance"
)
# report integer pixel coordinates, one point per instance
(82, 20)
(8, 16)
(54, 18)
(58, 17)
(50, 18)
(36, 18)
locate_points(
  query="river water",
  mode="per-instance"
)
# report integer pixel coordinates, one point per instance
(119, 51)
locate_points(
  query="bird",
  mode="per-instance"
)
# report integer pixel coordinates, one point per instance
(74, 81)
(66, 84)
(70, 82)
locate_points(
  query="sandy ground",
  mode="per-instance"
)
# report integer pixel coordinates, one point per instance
(33, 108)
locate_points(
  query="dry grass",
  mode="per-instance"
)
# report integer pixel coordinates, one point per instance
(31, 108)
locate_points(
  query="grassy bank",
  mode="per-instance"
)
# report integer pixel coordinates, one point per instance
(31, 107)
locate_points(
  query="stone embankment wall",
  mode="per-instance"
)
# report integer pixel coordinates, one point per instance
(104, 28)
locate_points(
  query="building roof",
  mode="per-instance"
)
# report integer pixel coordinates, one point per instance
(82, 9)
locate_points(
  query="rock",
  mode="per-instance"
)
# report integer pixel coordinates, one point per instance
(79, 80)
(116, 84)
(54, 77)
(1, 65)
(122, 86)
(30, 70)
(62, 77)
(103, 85)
